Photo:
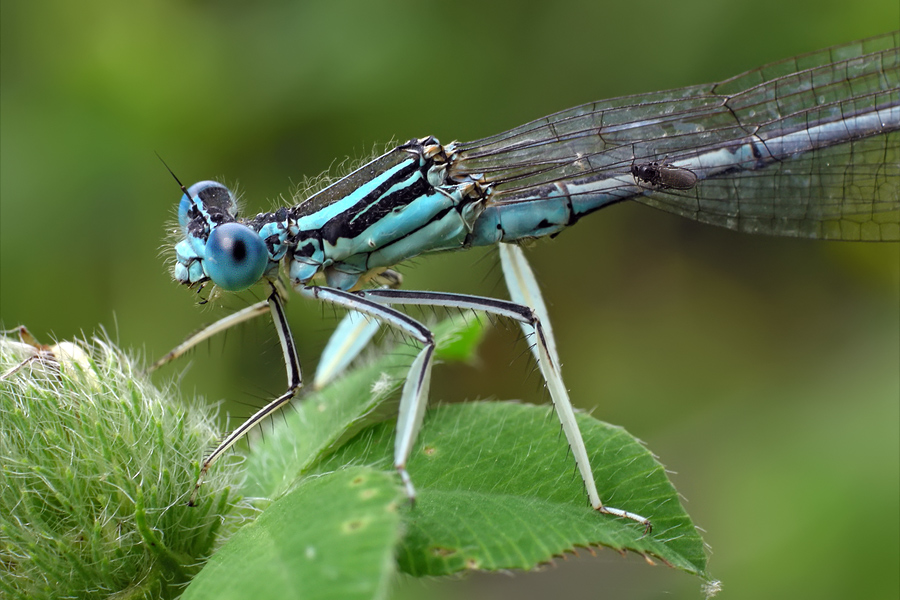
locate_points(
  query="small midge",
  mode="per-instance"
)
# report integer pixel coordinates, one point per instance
(664, 175)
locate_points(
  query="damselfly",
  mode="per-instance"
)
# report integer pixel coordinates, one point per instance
(808, 147)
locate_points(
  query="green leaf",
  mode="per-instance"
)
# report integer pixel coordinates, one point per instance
(331, 537)
(460, 343)
(497, 489)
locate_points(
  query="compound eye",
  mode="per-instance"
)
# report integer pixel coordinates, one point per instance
(236, 257)
(207, 193)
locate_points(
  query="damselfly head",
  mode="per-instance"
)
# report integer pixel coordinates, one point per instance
(215, 246)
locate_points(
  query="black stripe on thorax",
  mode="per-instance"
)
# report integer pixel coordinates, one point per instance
(375, 205)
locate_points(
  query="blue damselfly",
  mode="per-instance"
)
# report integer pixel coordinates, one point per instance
(808, 147)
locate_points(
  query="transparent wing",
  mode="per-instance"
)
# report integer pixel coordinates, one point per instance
(807, 147)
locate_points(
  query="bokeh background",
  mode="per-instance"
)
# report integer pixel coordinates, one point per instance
(764, 372)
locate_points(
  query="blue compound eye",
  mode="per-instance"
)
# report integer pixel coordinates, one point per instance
(207, 193)
(236, 257)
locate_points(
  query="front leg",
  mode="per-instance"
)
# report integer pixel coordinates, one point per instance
(245, 314)
(294, 377)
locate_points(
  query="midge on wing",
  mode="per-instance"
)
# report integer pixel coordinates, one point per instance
(663, 175)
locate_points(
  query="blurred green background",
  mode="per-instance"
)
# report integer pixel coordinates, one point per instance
(764, 372)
